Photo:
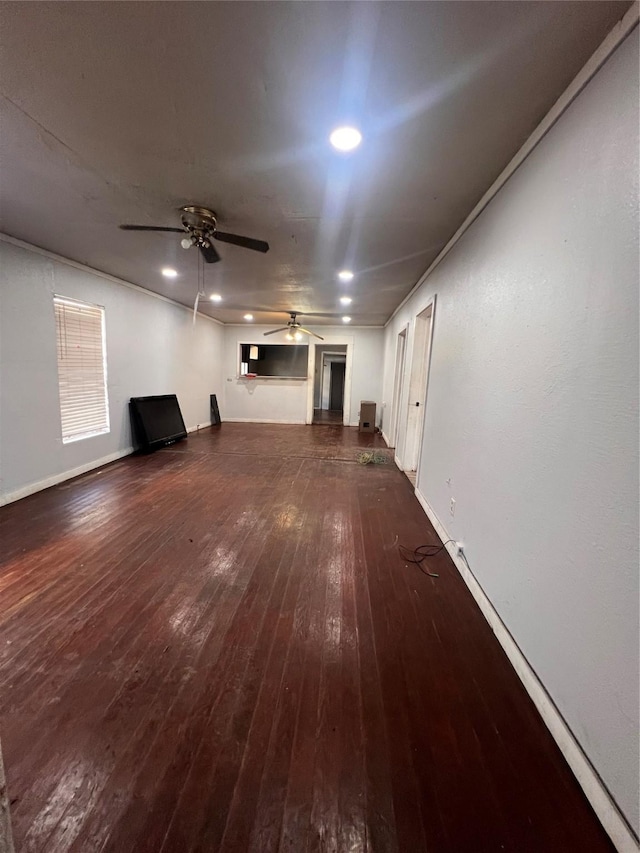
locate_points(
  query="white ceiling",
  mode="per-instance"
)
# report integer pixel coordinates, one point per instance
(122, 112)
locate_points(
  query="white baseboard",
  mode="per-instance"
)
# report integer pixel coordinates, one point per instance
(385, 438)
(55, 479)
(398, 464)
(47, 482)
(604, 806)
(261, 421)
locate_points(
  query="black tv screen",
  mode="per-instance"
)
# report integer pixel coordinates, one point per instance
(156, 421)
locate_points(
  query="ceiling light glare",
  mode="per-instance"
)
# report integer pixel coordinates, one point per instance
(346, 300)
(345, 138)
(298, 336)
(346, 319)
(248, 316)
(168, 272)
(289, 336)
(345, 275)
(215, 297)
(186, 243)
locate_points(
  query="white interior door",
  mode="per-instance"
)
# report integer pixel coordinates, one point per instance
(417, 393)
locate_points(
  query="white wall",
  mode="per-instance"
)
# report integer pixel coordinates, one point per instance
(532, 413)
(282, 400)
(152, 348)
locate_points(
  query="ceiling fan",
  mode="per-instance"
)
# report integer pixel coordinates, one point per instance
(200, 226)
(294, 329)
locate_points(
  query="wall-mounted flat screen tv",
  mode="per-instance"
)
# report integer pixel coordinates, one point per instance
(156, 421)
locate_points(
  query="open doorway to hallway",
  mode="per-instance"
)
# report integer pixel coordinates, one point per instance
(329, 383)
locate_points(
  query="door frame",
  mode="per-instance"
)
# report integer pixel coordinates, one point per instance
(337, 340)
(398, 385)
(329, 358)
(411, 435)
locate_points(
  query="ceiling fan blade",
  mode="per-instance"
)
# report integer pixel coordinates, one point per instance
(209, 254)
(273, 331)
(150, 228)
(307, 332)
(245, 242)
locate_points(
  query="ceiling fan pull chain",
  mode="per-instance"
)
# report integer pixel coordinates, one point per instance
(201, 274)
(200, 284)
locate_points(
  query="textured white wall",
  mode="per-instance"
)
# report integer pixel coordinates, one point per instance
(286, 400)
(258, 399)
(532, 412)
(152, 348)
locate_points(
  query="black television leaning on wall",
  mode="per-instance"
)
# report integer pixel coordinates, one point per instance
(156, 421)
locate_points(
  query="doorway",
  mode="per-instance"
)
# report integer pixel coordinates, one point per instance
(411, 412)
(329, 384)
(336, 386)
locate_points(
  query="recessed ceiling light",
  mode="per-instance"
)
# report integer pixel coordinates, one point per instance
(346, 319)
(346, 300)
(168, 272)
(345, 138)
(248, 316)
(215, 297)
(345, 275)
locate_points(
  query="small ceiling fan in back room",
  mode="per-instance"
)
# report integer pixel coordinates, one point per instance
(294, 329)
(199, 224)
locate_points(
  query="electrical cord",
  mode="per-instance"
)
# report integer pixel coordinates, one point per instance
(419, 555)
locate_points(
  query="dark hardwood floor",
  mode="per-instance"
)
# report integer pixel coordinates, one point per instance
(217, 647)
(328, 416)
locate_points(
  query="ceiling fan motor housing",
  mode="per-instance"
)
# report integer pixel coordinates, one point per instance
(200, 222)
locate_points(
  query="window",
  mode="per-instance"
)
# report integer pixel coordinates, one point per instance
(82, 369)
(275, 361)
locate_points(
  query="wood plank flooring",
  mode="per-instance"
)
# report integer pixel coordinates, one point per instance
(331, 416)
(217, 647)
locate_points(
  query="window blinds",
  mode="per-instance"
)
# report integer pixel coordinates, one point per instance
(82, 370)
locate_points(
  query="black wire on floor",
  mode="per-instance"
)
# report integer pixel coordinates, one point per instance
(419, 555)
